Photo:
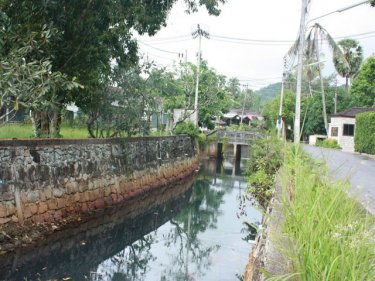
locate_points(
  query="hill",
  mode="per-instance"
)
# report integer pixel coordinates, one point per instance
(268, 92)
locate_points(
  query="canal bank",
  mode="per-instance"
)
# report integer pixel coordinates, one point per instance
(52, 182)
(192, 232)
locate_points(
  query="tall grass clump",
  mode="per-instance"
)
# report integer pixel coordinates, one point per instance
(332, 236)
(266, 157)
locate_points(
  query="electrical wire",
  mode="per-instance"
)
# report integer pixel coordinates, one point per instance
(158, 49)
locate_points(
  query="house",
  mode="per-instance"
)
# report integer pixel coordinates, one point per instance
(235, 116)
(342, 127)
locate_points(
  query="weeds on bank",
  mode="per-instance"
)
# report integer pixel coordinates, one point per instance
(266, 157)
(332, 236)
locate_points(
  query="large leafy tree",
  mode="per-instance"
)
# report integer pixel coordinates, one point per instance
(91, 35)
(363, 87)
(348, 65)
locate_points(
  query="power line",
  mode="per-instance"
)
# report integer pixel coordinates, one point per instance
(158, 49)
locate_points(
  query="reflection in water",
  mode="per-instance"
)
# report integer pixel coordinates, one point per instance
(191, 234)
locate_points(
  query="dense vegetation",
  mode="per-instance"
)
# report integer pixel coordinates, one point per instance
(365, 133)
(332, 237)
(266, 156)
(53, 53)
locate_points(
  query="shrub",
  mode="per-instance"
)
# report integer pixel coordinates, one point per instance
(364, 139)
(328, 143)
(266, 156)
(187, 128)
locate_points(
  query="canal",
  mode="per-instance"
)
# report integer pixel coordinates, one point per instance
(193, 232)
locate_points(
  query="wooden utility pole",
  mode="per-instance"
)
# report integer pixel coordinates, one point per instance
(301, 44)
(198, 33)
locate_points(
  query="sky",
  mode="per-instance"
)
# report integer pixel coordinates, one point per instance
(259, 62)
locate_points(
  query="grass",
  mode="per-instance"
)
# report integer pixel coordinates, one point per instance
(21, 131)
(331, 234)
(328, 143)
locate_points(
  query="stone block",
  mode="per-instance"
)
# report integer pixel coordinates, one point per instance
(42, 208)
(57, 192)
(99, 203)
(3, 210)
(37, 219)
(61, 203)
(33, 208)
(52, 204)
(4, 220)
(33, 196)
(27, 212)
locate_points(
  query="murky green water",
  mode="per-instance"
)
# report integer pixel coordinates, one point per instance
(192, 234)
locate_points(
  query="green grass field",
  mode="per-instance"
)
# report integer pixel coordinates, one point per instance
(22, 131)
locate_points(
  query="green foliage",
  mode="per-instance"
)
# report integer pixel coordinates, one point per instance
(328, 143)
(364, 138)
(363, 87)
(51, 46)
(187, 128)
(266, 156)
(332, 237)
(271, 111)
(348, 65)
(311, 108)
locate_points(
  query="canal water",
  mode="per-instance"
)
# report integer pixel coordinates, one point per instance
(191, 233)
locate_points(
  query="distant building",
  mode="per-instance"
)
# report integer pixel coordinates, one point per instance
(234, 116)
(183, 115)
(342, 127)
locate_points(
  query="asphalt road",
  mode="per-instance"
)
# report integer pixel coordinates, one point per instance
(359, 170)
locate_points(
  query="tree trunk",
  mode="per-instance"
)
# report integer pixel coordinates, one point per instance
(56, 124)
(44, 124)
(36, 121)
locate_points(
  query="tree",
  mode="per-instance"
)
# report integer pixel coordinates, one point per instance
(271, 111)
(28, 78)
(91, 35)
(363, 87)
(353, 55)
(316, 35)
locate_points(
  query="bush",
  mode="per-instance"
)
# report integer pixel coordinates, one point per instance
(364, 137)
(187, 128)
(328, 143)
(266, 156)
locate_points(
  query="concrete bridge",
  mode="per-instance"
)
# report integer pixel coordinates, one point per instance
(237, 139)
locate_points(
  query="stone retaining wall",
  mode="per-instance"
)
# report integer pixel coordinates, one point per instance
(46, 180)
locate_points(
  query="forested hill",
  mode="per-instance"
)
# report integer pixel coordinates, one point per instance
(268, 92)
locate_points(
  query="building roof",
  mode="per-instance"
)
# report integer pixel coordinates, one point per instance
(352, 112)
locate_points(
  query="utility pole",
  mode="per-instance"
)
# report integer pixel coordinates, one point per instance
(335, 99)
(297, 119)
(279, 121)
(198, 33)
(244, 102)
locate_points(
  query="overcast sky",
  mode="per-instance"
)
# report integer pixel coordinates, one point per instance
(256, 63)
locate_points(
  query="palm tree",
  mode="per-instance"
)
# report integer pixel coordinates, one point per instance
(353, 58)
(313, 41)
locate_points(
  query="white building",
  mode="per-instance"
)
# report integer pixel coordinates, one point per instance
(342, 127)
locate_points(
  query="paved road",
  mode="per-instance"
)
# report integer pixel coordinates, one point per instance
(359, 170)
